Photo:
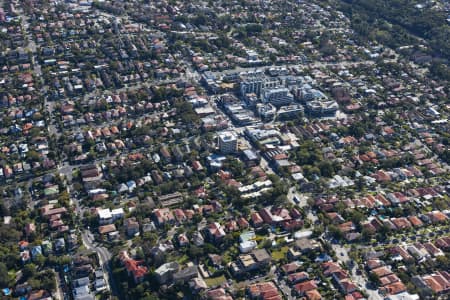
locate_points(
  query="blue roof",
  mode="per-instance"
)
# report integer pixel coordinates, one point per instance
(36, 250)
(6, 291)
(216, 157)
(323, 257)
(131, 183)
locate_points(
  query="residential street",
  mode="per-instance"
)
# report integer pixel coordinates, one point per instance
(224, 150)
(59, 293)
(104, 258)
(342, 254)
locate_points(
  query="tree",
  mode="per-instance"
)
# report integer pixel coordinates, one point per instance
(356, 217)
(240, 293)
(273, 57)
(281, 200)
(317, 230)
(200, 19)
(32, 155)
(335, 232)
(383, 232)
(195, 252)
(8, 235)
(443, 261)
(29, 271)
(210, 248)
(228, 240)
(266, 244)
(440, 70)
(357, 130)
(6, 121)
(366, 234)
(47, 280)
(235, 166)
(39, 260)
(253, 28)
(5, 279)
(150, 297)
(373, 278)
(326, 168)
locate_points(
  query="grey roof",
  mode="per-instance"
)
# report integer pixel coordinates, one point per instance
(81, 282)
(99, 283)
(98, 273)
(187, 273)
(82, 290)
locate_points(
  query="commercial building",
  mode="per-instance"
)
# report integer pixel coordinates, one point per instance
(227, 143)
(239, 114)
(278, 96)
(289, 112)
(255, 82)
(266, 111)
(319, 108)
(307, 93)
(252, 82)
(165, 272)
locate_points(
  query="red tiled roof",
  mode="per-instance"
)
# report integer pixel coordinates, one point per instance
(291, 267)
(313, 295)
(305, 286)
(382, 271)
(265, 291)
(107, 228)
(415, 221)
(388, 279)
(347, 285)
(134, 267)
(394, 288)
(294, 277)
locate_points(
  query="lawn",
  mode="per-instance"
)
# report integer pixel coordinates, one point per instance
(183, 259)
(215, 281)
(280, 254)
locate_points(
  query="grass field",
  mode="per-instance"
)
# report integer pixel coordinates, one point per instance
(215, 281)
(280, 254)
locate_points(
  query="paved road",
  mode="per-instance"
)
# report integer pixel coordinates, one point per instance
(306, 65)
(59, 295)
(31, 46)
(285, 289)
(258, 279)
(360, 280)
(302, 200)
(104, 258)
(52, 129)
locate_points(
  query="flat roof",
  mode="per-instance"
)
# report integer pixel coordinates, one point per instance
(104, 213)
